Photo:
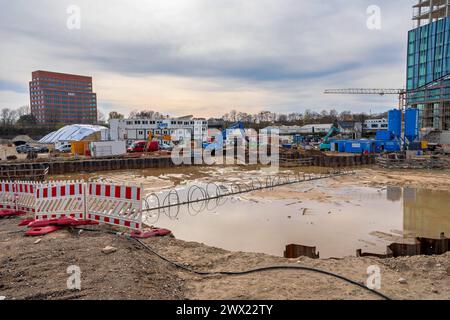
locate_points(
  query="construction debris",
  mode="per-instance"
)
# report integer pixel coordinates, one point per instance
(400, 161)
(109, 250)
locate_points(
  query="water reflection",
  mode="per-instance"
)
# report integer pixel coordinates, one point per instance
(394, 194)
(426, 213)
(337, 228)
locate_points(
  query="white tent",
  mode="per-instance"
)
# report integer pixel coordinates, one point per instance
(75, 132)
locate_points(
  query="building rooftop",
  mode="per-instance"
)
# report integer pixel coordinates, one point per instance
(76, 132)
(58, 75)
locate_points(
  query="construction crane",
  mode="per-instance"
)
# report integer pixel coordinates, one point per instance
(381, 92)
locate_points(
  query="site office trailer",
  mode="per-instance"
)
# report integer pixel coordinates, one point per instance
(139, 129)
(100, 149)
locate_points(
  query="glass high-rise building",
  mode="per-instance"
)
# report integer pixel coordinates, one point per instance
(428, 63)
(58, 98)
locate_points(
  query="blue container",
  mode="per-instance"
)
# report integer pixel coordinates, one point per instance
(338, 145)
(354, 146)
(395, 123)
(392, 146)
(379, 146)
(368, 146)
(412, 124)
(341, 146)
(384, 135)
(298, 139)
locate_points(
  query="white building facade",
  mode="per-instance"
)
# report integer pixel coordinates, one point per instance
(376, 124)
(179, 129)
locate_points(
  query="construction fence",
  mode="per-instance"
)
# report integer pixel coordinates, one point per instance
(113, 204)
(123, 205)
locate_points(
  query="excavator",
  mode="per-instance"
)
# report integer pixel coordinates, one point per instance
(219, 143)
(326, 145)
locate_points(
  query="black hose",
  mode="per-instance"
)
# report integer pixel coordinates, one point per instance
(204, 273)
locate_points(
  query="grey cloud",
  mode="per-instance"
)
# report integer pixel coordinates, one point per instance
(266, 43)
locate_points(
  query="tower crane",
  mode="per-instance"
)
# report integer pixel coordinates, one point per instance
(381, 92)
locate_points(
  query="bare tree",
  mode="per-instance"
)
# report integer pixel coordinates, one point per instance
(115, 115)
(8, 117)
(100, 117)
(23, 111)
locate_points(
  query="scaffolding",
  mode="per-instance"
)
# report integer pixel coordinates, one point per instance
(428, 11)
(433, 101)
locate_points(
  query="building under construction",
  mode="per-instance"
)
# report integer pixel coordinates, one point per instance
(428, 63)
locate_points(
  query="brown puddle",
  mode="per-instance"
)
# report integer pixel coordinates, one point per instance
(335, 219)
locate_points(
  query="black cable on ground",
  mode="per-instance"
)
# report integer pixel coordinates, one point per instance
(204, 273)
(240, 273)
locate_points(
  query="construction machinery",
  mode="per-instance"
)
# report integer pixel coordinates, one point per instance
(326, 145)
(219, 143)
(401, 93)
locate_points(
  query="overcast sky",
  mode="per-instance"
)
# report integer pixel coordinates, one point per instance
(206, 57)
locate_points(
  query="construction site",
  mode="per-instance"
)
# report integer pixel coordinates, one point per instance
(283, 213)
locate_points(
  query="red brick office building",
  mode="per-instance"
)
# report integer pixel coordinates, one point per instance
(62, 98)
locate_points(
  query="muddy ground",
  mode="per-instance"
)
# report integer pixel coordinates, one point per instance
(420, 179)
(37, 269)
(31, 269)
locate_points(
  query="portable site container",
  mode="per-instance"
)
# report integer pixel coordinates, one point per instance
(379, 146)
(360, 146)
(107, 148)
(334, 146)
(353, 147)
(392, 146)
(298, 139)
(80, 148)
(368, 146)
(384, 135)
(338, 145)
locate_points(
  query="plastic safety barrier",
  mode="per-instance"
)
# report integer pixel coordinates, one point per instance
(42, 231)
(88, 203)
(25, 195)
(57, 200)
(117, 205)
(7, 195)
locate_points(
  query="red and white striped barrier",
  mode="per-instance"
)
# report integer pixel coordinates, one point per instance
(62, 199)
(7, 195)
(118, 205)
(25, 195)
(113, 204)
